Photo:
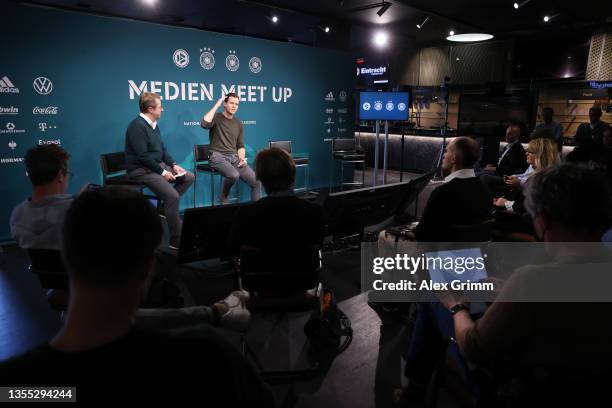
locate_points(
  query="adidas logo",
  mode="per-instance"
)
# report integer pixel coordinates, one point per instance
(6, 86)
(330, 97)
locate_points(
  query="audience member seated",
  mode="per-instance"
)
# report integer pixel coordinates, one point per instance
(461, 200)
(499, 186)
(555, 128)
(592, 131)
(280, 220)
(35, 223)
(541, 153)
(533, 341)
(109, 237)
(512, 159)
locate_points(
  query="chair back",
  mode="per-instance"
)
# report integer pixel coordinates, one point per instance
(112, 163)
(48, 266)
(279, 272)
(281, 144)
(201, 153)
(347, 144)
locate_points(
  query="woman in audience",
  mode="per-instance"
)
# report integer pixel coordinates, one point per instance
(541, 154)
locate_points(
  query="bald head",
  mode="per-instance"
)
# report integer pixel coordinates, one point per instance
(461, 153)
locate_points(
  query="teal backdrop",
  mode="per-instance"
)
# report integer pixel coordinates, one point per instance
(74, 79)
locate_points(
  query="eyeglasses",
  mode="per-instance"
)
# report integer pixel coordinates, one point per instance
(70, 175)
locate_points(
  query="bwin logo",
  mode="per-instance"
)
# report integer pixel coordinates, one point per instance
(43, 85)
(6, 86)
(180, 58)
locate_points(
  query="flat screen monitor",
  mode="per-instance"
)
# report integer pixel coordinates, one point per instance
(349, 212)
(205, 233)
(383, 105)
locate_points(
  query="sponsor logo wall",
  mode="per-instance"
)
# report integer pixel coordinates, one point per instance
(53, 95)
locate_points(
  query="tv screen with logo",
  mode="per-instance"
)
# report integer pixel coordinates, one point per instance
(383, 105)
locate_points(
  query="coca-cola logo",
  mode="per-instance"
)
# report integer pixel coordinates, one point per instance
(49, 110)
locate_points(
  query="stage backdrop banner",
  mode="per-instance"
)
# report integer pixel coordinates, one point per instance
(75, 79)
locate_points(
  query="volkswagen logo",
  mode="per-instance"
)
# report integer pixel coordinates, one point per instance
(207, 60)
(390, 106)
(255, 65)
(232, 62)
(180, 58)
(43, 85)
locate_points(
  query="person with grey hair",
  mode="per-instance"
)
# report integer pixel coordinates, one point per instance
(535, 341)
(462, 192)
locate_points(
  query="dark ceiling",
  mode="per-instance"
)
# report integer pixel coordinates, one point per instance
(302, 21)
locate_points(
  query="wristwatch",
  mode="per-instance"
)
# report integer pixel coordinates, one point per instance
(458, 307)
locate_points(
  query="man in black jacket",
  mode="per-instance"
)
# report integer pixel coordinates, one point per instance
(512, 160)
(591, 132)
(148, 161)
(280, 220)
(462, 200)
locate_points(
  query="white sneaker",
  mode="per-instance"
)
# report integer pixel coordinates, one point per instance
(237, 316)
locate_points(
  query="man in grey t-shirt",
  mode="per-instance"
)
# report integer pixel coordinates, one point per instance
(227, 145)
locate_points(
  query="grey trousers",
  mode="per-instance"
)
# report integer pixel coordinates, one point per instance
(227, 166)
(168, 193)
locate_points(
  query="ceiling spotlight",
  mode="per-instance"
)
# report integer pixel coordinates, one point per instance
(451, 32)
(548, 18)
(384, 6)
(274, 19)
(149, 2)
(471, 37)
(326, 29)
(517, 5)
(422, 23)
(381, 38)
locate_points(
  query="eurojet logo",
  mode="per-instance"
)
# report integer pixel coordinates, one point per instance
(330, 97)
(10, 128)
(6, 86)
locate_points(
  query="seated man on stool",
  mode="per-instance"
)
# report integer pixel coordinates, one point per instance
(227, 145)
(148, 161)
